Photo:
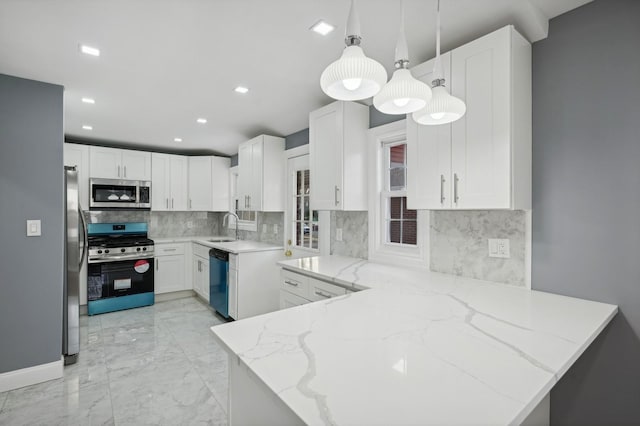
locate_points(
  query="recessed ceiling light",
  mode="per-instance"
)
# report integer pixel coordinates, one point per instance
(89, 50)
(87, 127)
(201, 120)
(177, 139)
(241, 89)
(322, 27)
(88, 101)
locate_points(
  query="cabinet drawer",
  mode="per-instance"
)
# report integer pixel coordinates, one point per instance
(320, 290)
(294, 283)
(289, 300)
(233, 261)
(200, 250)
(168, 249)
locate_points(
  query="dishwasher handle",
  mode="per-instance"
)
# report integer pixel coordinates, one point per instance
(219, 254)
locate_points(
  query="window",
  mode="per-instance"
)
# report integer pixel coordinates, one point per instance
(397, 234)
(401, 224)
(306, 230)
(305, 221)
(248, 219)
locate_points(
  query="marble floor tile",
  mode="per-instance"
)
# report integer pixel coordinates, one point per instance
(154, 365)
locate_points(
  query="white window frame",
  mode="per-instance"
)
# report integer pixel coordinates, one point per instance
(324, 222)
(244, 225)
(379, 249)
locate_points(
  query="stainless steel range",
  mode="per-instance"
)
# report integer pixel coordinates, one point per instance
(121, 266)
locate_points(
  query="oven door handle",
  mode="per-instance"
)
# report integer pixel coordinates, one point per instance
(119, 258)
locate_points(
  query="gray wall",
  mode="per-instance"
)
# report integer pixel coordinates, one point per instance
(586, 197)
(297, 139)
(31, 187)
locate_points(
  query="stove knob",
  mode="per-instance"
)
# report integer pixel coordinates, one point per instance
(123, 250)
(106, 251)
(99, 251)
(138, 249)
(144, 249)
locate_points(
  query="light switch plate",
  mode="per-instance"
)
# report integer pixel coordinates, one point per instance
(189, 224)
(34, 228)
(499, 248)
(338, 234)
(275, 228)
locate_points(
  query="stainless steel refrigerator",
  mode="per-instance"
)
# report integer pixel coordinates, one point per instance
(74, 254)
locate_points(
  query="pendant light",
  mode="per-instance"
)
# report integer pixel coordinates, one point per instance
(443, 108)
(403, 94)
(353, 77)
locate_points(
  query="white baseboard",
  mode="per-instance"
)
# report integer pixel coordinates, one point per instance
(31, 375)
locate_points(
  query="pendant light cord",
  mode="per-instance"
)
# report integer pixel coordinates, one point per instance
(438, 75)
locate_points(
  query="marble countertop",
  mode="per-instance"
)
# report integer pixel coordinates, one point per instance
(239, 246)
(416, 348)
(161, 240)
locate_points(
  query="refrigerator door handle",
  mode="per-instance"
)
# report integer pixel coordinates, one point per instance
(85, 238)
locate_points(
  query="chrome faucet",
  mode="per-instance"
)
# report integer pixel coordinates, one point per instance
(224, 220)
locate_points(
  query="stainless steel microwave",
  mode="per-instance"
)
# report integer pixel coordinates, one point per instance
(119, 194)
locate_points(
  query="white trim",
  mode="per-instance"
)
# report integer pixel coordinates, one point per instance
(527, 250)
(30, 376)
(296, 152)
(379, 251)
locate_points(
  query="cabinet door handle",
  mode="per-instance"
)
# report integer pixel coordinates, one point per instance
(118, 171)
(295, 284)
(172, 203)
(336, 190)
(321, 294)
(455, 188)
(442, 181)
(157, 264)
(246, 201)
(125, 171)
(199, 266)
(167, 202)
(190, 203)
(169, 249)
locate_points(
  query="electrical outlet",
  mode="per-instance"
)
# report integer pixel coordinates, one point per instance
(275, 228)
(338, 234)
(189, 224)
(34, 228)
(499, 248)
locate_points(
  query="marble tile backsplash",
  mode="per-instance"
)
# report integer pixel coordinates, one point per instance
(162, 224)
(355, 234)
(459, 246)
(263, 234)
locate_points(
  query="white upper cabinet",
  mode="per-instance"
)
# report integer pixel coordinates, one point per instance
(208, 183)
(429, 152)
(169, 182)
(261, 174)
(113, 163)
(483, 160)
(338, 156)
(78, 155)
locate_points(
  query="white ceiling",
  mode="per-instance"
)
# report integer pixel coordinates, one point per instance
(165, 63)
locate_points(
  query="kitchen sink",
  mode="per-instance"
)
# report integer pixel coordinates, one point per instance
(221, 240)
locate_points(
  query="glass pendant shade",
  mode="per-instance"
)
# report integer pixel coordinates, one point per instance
(441, 109)
(353, 77)
(403, 94)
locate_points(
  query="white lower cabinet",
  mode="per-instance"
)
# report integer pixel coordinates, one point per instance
(170, 273)
(200, 270)
(297, 289)
(253, 283)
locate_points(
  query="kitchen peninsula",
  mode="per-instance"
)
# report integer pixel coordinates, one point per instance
(416, 347)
